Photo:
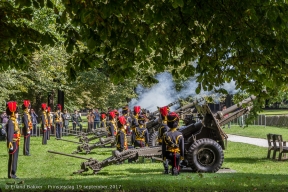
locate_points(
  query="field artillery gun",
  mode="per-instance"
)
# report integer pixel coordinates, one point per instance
(100, 144)
(204, 142)
(117, 157)
(157, 123)
(100, 134)
(83, 137)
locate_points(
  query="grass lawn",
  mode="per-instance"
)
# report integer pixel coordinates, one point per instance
(51, 172)
(257, 131)
(275, 112)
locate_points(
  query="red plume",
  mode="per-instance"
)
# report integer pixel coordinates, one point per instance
(103, 115)
(112, 114)
(48, 109)
(122, 120)
(12, 106)
(43, 106)
(59, 107)
(137, 109)
(164, 111)
(115, 111)
(26, 103)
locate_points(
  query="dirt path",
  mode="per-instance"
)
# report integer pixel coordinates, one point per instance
(253, 141)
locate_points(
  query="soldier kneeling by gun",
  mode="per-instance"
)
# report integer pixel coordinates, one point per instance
(173, 144)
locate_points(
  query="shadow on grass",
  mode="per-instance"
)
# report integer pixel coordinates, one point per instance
(154, 182)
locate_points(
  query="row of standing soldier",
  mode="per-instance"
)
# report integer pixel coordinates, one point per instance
(14, 134)
(172, 141)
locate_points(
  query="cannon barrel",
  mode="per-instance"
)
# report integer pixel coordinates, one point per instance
(169, 105)
(189, 105)
(220, 114)
(152, 123)
(193, 128)
(64, 154)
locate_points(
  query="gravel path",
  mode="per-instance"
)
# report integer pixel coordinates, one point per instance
(249, 140)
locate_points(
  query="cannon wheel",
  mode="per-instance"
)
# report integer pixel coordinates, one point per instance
(153, 140)
(205, 155)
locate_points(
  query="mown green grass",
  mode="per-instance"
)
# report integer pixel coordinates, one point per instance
(275, 112)
(257, 131)
(49, 171)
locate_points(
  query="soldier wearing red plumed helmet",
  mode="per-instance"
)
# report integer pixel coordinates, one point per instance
(50, 122)
(162, 130)
(173, 143)
(121, 139)
(136, 113)
(103, 120)
(125, 113)
(13, 138)
(112, 124)
(163, 114)
(45, 122)
(140, 136)
(27, 126)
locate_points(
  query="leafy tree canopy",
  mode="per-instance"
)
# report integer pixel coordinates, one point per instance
(19, 38)
(245, 40)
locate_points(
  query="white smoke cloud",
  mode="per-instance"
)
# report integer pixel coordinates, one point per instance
(164, 92)
(159, 95)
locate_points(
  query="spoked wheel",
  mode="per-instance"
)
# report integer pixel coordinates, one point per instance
(205, 155)
(153, 140)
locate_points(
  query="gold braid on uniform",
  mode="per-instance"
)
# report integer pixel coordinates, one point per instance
(58, 119)
(172, 147)
(140, 137)
(104, 123)
(16, 129)
(115, 125)
(30, 126)
(46, 120)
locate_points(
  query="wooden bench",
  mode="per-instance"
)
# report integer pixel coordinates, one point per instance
(276, 144)
(270, 144)
(279, 146)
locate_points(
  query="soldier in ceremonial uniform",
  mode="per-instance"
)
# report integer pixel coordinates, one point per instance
(50, 122)
(140, 136)
(103, 119)
(112, 124)
(125, 113)
(121, 139)
(27, 127)
(163, 129)
(58, 119)
(13, 138)
(136, 113)
(45, 123)
(173, 144)
(116, 112)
